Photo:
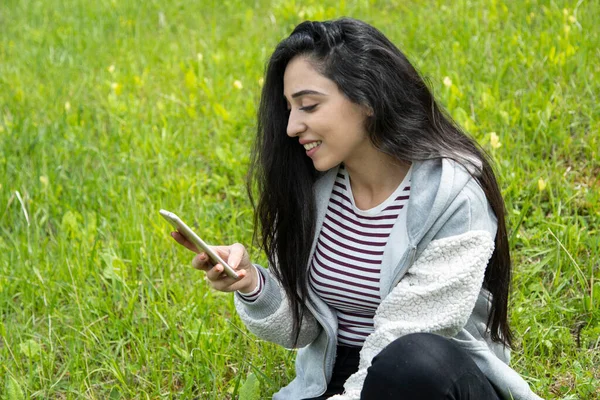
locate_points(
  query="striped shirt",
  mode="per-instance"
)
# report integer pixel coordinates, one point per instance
(346, 265)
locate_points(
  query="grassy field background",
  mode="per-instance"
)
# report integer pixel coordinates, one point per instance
(111, 110)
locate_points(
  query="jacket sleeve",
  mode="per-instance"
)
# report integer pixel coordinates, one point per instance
(436, 295)
(270, 317)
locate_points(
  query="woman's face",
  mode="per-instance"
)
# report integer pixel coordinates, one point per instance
(329, 126)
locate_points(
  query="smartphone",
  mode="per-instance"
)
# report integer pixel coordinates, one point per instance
(190, 235)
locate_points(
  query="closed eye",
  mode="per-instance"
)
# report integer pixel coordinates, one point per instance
(308, 108)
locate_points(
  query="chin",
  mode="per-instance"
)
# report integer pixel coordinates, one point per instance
(324, 166)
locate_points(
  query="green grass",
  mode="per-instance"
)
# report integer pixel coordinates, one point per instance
(110, 110)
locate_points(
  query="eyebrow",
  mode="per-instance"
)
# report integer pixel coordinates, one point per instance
(306, 92)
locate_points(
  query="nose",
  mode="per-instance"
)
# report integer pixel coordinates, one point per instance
(295, 124)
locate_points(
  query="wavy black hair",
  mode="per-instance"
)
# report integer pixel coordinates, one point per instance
(407, 123)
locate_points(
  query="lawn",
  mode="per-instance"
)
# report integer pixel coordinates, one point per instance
(111, 110)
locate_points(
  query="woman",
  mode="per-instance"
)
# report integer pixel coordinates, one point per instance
(384, 228)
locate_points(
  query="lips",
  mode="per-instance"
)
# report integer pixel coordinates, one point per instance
(311, 145)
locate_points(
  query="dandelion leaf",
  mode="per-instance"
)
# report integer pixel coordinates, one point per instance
(13, 390)
(250, 390)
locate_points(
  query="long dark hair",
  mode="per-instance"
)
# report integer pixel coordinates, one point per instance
(407, 123)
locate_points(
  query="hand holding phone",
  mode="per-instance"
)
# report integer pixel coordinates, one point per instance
(192, 237)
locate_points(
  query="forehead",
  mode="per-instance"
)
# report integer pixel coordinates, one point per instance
(301, 75)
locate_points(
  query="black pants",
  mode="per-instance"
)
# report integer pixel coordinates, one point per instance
(417, 366)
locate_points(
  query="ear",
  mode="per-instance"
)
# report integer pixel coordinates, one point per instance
(368, 111)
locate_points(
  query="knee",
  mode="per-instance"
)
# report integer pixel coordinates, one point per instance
(420, 358)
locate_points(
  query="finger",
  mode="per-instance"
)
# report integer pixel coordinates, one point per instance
(201, 262)
(236, 255)
(216, 273)
(227, 284)
(222, 251)
(179, 238)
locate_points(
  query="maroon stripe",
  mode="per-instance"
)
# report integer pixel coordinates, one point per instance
(346, 290)
(402, 198)
(406, 188)
(351, 322)
(373, 253)
(340, 304)
(346, 293)
(354, 267)
(347, 338)
(252, 298)
(347, 256)
(316, 260)
(358, 333)
(340, 224)
(342, 196)
(341, 185)
(351, 283)
(350, 344)
(359, 315)
(350, 210)
(345, 303)
(370, 226)
(353, 239)
(400, 207)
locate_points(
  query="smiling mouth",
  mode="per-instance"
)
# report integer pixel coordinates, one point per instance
(312, 145)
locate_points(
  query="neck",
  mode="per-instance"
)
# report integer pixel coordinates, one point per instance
(374, 177)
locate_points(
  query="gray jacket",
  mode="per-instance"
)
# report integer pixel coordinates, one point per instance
(433, 284)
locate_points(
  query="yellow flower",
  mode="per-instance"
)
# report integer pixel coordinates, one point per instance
(117, 88)
(447, 81)
(111, 69)
(44, 180)
(67, 106)
(572, 19)
(495, 140)
(200, 57)
(237, 84)
(261, 82)
(541, 184)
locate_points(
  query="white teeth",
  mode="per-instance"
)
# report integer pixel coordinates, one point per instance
(311, 145)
